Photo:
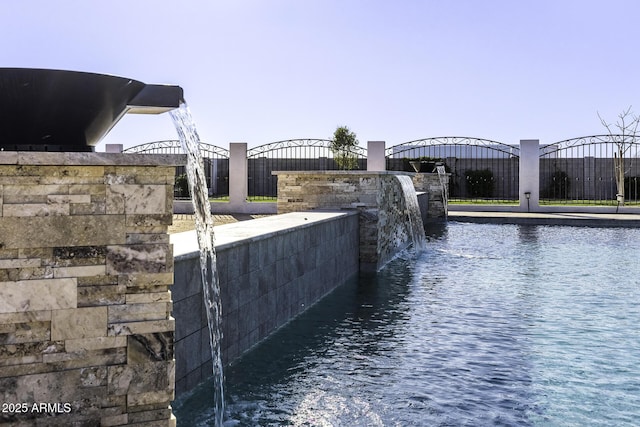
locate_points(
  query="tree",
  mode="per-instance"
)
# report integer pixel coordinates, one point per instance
(627, 126)
(343, 148)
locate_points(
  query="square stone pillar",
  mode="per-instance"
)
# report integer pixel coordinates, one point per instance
(86, 333)
(113, 148)
(376, 159)
(529, 175)
(238, 174)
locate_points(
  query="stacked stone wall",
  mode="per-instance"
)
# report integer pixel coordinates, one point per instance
(86, 336)
(430, 184)
(384, 226)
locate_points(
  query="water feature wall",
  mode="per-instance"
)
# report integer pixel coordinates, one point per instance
(432, 184)
(86, 333)
(270, 269)
(378, 196)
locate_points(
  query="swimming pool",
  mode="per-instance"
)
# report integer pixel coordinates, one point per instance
(492, 325)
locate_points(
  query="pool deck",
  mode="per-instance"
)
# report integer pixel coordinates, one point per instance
(549, 218)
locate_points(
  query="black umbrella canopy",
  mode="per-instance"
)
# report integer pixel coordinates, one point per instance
(58, 110)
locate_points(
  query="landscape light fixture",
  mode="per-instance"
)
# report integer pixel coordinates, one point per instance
(527, 194)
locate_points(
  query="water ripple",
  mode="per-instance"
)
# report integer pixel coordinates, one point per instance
(492, 325)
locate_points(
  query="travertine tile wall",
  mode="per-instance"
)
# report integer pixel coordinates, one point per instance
(265, 281)
(86, 336)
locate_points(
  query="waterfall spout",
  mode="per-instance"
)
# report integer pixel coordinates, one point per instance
(204, 228)
(416, 227)
(445, 192)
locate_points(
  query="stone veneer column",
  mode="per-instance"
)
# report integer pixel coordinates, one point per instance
(430, 183)
(86, 333)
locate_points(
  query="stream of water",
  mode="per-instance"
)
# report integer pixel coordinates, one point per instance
(445, 193)
(190, 140)
(416, 227)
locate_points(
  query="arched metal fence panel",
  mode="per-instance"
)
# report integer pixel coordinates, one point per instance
(294, 155)
(586, 170)
(215, 159)
(482, 170)
(169, 146)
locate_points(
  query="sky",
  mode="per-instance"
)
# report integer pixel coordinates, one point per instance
(260, 71)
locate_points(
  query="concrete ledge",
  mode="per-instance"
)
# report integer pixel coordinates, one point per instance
(545, 209)
(549, 218)
(185, 244)
(454, 207)
(343, 172)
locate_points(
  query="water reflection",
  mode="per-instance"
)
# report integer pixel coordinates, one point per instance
(492, 325)
(435, 229)
(528, 234)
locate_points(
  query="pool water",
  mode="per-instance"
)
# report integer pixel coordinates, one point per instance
(507, 325)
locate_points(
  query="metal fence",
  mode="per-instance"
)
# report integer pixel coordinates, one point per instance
(584, 170)
(294, 154)
(216, 166)
(481, 170)
(574, 171)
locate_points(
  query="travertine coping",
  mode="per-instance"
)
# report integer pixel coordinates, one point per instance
(89, 158)
(185, 244)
